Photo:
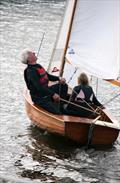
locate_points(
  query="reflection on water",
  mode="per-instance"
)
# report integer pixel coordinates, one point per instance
(47, 151)
(28, 154)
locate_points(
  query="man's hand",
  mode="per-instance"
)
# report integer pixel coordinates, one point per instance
(56, 97)
(62, 80)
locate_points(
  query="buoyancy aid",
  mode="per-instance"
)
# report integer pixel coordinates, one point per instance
(43, 78)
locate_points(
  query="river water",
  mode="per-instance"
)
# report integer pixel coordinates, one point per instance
(28, 154)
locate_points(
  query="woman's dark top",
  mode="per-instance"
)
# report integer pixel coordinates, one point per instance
(84, 96)
(84, 93)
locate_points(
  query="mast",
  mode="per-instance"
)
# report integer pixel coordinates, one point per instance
(68, 36)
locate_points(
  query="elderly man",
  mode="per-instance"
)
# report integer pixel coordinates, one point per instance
(37, 80)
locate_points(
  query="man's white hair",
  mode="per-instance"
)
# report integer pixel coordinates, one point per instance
(24, 57)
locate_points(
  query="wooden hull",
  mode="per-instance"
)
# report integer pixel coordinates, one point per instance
(101, 131)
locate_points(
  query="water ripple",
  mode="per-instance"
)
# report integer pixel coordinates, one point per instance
(28, 154)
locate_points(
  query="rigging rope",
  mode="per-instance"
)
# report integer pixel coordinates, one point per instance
(85, 101)
(40, 44)
(78, 106)
(59, 93)
(90, 132)
(96, 86)
(76, 68)
(111, 99)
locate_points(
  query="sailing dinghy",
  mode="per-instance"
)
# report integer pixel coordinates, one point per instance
(88, 42)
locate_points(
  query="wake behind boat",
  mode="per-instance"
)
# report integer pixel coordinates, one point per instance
(86, 42)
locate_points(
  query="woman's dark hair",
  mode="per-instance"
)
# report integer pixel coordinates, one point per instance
(83, 79)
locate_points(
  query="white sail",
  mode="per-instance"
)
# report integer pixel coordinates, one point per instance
(94, 44)
(61, 43)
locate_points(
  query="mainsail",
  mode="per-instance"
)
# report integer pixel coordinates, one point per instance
(93, 45)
